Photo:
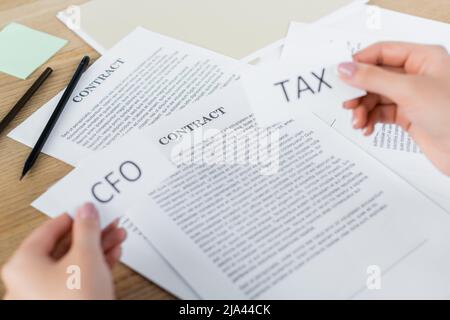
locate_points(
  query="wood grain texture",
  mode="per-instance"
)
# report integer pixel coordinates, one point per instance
(17, 217)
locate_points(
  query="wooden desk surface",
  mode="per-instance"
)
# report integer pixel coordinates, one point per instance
(17, 217)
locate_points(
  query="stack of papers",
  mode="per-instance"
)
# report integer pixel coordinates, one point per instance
(247, 182)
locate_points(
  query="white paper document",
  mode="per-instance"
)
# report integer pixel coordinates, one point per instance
(278, 92)
(143, 78)
(309, 230)
(234, 28)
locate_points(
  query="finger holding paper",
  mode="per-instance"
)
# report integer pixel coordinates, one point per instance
(401, 98)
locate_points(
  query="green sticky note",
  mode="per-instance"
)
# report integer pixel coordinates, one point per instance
(23, 50)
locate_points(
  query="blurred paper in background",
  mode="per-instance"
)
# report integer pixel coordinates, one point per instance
(234, 28)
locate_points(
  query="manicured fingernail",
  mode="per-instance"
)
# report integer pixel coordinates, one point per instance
(123, 234)
(354, 123)
(363, 131)
(88, 212)
(347, 69)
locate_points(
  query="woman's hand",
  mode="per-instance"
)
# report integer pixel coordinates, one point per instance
(408, 85)
(49, 261)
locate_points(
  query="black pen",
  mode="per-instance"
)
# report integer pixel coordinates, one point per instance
(23, 101)
(54, 117)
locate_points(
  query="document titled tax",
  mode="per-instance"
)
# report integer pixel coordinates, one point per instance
(146, 76)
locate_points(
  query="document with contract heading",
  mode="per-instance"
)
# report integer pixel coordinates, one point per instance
(287, 212)
(143, 78)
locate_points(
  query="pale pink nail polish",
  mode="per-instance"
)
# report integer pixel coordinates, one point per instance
(88, 212)
(347, 69)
